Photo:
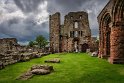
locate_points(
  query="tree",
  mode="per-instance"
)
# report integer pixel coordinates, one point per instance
(41, 41)
(31, 44)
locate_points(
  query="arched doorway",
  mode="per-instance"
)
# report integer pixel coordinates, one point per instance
(76, 44)
(107, 31)
(84, 47)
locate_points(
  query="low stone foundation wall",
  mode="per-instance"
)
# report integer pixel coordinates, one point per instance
(7, 59)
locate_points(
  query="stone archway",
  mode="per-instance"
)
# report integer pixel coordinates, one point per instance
(84, 47)
(111, 22)
(105, 31)
(117, 33)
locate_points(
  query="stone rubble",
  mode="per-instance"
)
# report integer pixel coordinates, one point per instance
(36, 70)
(7, 59)
(55, 60)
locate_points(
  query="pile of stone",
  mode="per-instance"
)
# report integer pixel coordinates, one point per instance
(27, 75)
(36, 70)
(41, 69)
(25, 57)
(55, 60)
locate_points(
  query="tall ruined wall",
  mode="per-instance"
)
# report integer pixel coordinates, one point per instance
(54, 25)
(76, 25)
(83, 23)
(72, 35)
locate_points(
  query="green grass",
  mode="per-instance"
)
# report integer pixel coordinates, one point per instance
(74, 68)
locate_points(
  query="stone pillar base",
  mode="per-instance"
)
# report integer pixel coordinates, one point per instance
(116, 61)
(103, 56)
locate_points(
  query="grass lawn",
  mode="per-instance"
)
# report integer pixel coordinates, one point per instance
(74, 68)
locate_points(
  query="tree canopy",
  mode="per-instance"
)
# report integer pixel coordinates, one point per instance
(40, 41)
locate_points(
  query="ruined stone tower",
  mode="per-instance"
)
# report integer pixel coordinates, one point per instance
(73, 36)
(54, 24)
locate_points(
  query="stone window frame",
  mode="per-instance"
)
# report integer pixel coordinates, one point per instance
(79, 33)
(71, 34)
(80, 17)
(75, 33)
(71, 17)
(76, 24)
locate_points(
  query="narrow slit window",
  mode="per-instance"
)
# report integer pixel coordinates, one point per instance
(76, 24)
(71, 17)
(76, 33)
(81, 33)
(80, 17)
(73, 33)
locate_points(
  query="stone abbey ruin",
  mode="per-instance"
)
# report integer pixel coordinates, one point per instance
(111, 31)
(75, 36)
(11, 52)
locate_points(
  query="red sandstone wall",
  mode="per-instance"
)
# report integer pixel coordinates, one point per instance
(117, 44)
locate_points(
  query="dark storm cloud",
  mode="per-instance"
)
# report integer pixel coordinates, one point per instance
(28, 6)
(64, 6)
(93, 7)
(24, 25)
(23, 30)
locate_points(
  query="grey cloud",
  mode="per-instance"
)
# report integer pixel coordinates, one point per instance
(28, 6)
(23, 30)
(27, 29)
(65, 6)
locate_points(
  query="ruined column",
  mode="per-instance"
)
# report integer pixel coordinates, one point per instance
(117, 43)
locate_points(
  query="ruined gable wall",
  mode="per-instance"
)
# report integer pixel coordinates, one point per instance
(83, 28)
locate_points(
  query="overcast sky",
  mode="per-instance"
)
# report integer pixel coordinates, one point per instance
(25, 19)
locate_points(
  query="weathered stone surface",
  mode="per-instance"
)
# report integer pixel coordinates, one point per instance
(14, 57)
(25, 57)
(40, 71)
(111, 27)
(46, 67)
(36, 70)
(25, 76)
(54, 25)
(73, 36)
(7, 44)
(55, 60)
(117, 46)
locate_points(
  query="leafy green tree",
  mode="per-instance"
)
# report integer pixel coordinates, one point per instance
(41, 41)
(31, 44)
